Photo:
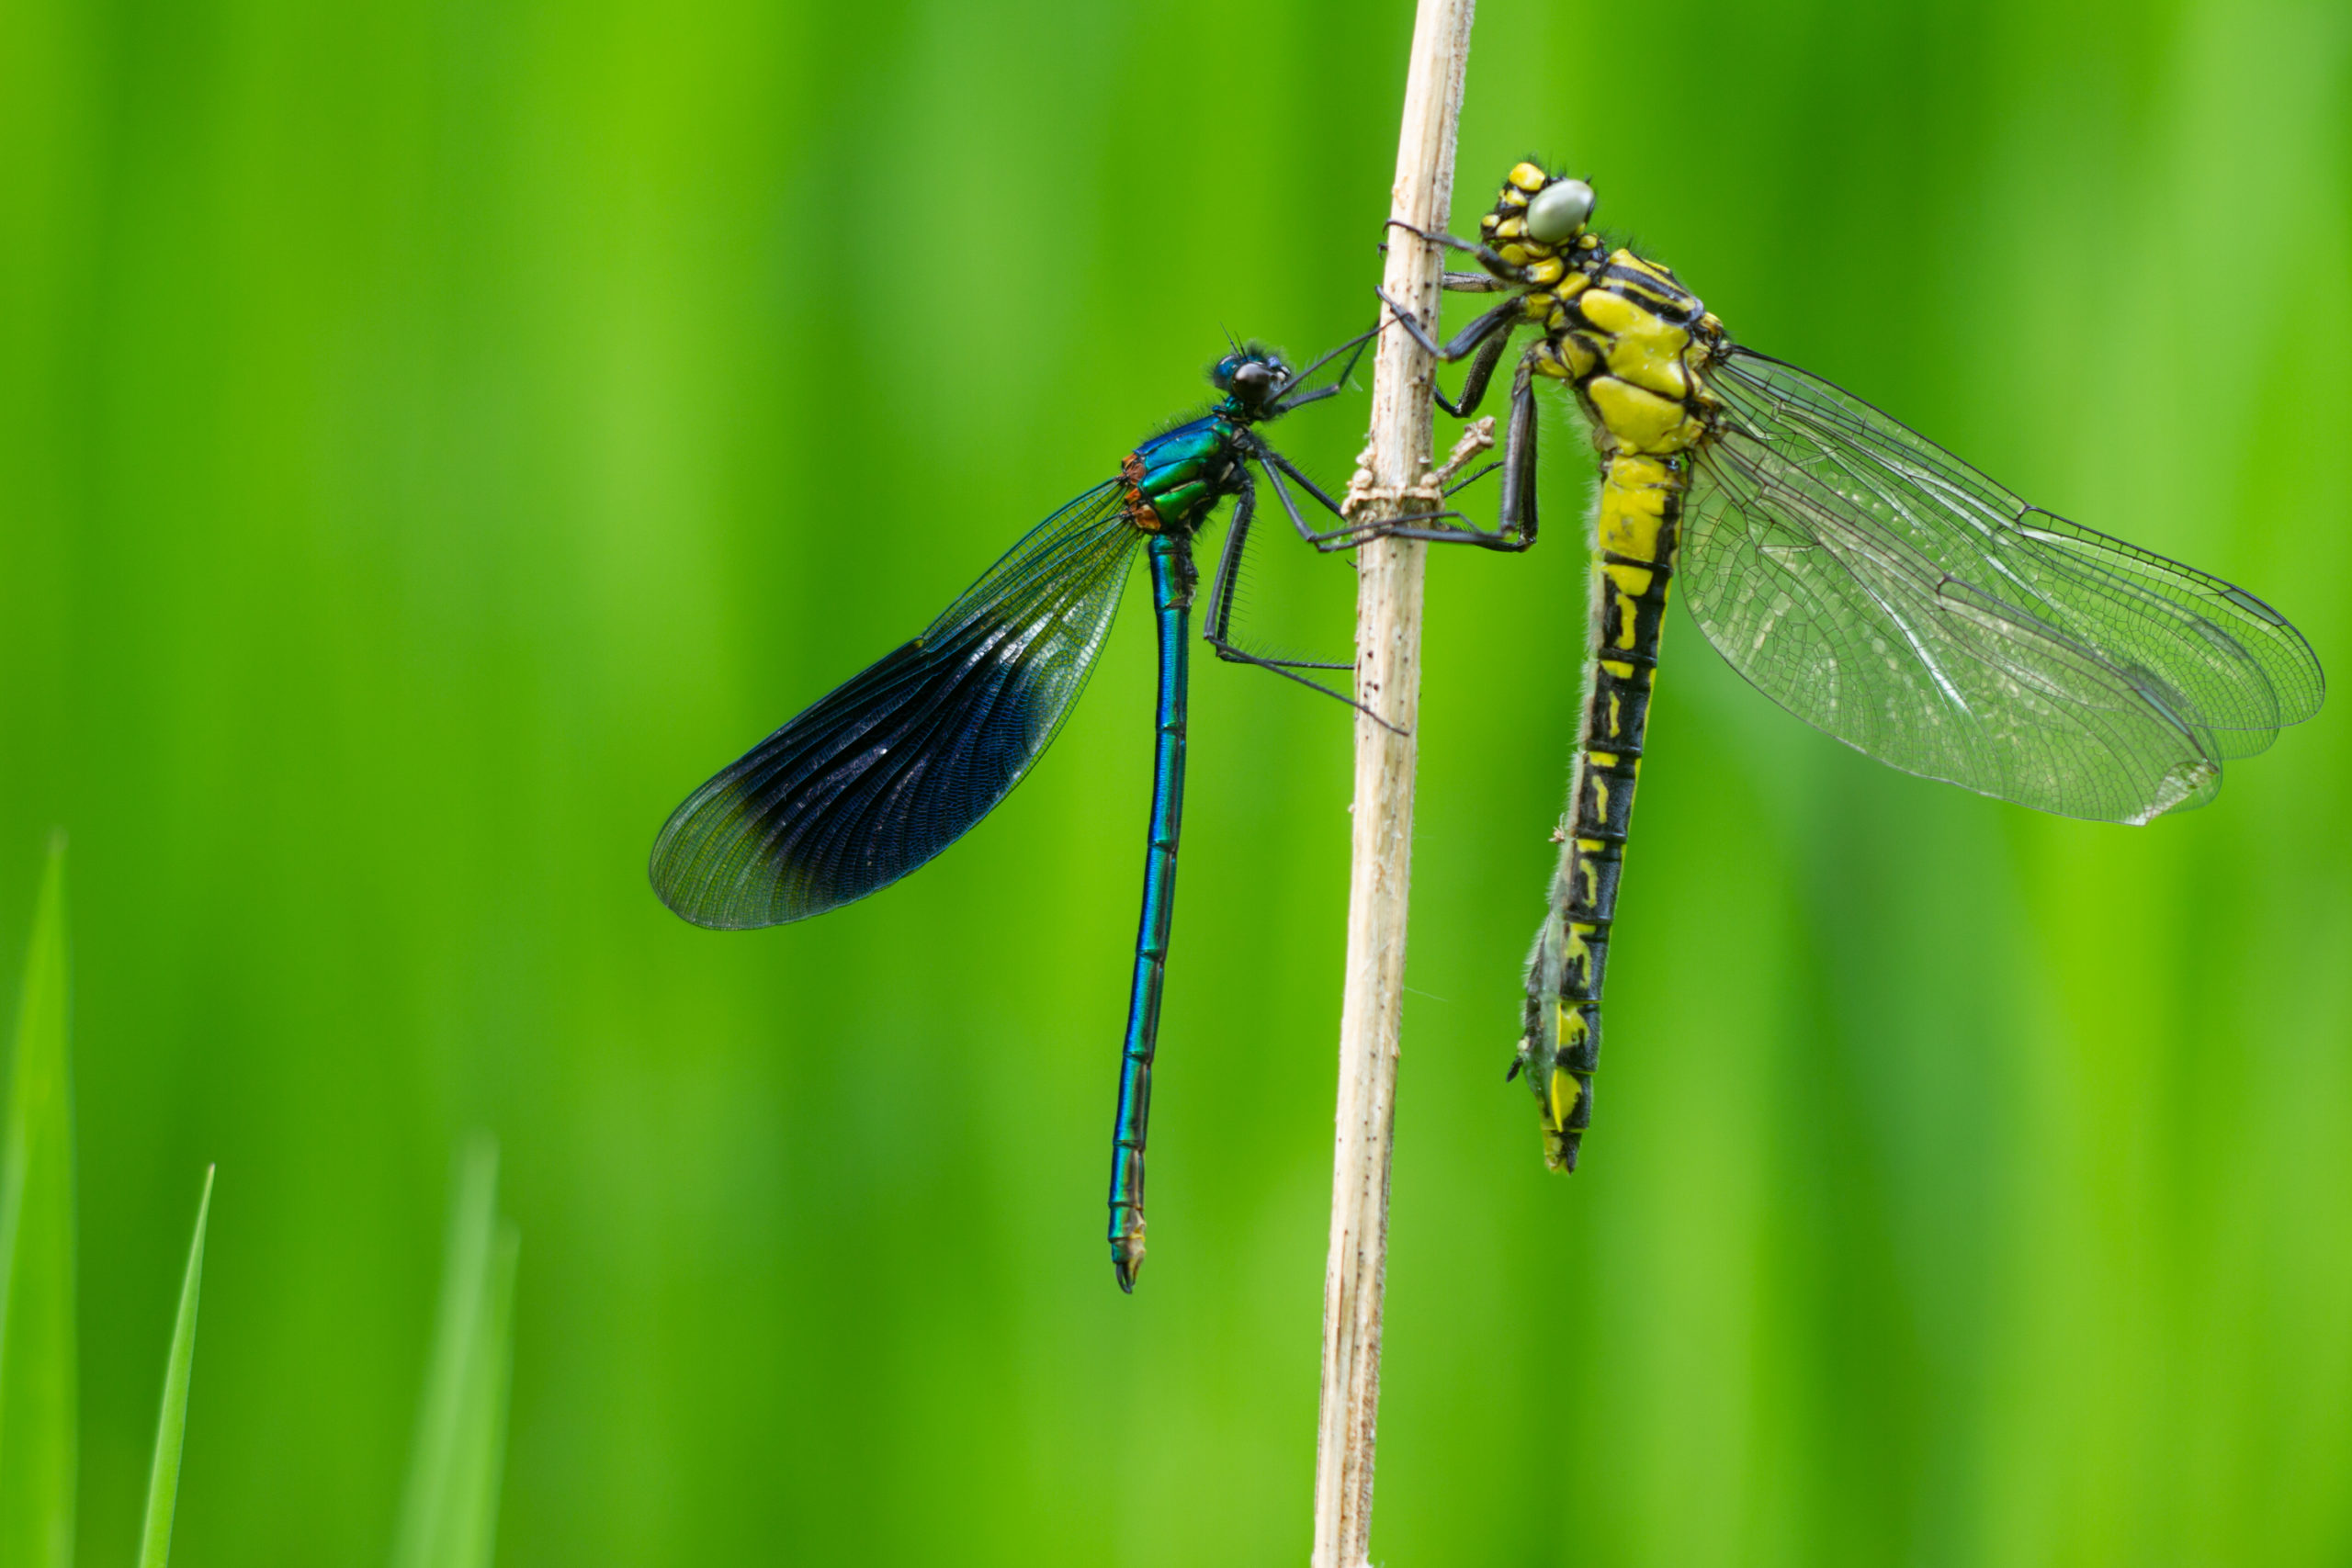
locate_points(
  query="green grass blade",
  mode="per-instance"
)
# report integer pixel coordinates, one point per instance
(478, 1460)
(38, 1433)
(449, 1511)
(163, 1476)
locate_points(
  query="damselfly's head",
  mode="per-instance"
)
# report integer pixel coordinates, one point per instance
(1253, 378)
(1538, 215)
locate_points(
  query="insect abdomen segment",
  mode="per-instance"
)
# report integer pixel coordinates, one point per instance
(1172, 592)
(1639, 518)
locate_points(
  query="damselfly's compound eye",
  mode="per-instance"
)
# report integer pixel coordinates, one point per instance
(1558, 210)
(1259, 381)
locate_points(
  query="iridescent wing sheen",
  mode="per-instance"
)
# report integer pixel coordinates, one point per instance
(885, 772)
(1883, 590)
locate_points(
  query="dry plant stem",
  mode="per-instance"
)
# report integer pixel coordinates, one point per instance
(1388, 651)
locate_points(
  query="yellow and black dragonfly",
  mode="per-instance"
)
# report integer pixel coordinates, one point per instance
(1855, 572)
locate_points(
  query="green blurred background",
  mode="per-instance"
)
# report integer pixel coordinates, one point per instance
(434, 435)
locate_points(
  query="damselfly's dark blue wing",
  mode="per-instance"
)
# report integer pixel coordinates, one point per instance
(1880, 588)
(897, 764)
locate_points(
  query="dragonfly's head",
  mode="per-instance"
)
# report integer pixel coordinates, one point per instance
(1253, 378)
(1538, 215)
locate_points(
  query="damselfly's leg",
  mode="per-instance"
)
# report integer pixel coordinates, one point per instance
(1353, 348)
(1276, 466)
(1217, 629)
(1352, 533)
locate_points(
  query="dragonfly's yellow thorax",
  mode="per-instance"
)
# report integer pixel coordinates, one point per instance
(1621, 328)
(1633, 342)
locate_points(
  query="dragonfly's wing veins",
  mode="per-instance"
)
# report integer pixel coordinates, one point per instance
(1884, 592)
(885, 772)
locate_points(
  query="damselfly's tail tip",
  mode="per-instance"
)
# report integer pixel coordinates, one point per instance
(1127, 1260)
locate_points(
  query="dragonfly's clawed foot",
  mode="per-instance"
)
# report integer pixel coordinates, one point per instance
(1485, 257)
(1406, 319)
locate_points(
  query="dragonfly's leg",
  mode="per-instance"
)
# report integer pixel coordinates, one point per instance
(1473, 386)
(1488, 338)
(1503, 318)
(1473, 283)
(1516, 513)
(1515, 517)
(1501, 269)
(1458, 486)
(1412, 325)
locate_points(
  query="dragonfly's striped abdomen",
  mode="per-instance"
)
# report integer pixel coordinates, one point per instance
(1640, 514)
(1630, 339)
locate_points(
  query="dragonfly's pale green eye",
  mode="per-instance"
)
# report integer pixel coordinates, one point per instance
(1558, 210)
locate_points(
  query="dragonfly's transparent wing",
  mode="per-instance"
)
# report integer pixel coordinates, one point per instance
(882, 773)
(1883, 590)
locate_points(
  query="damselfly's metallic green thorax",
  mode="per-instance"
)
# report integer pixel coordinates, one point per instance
(1862, 577)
